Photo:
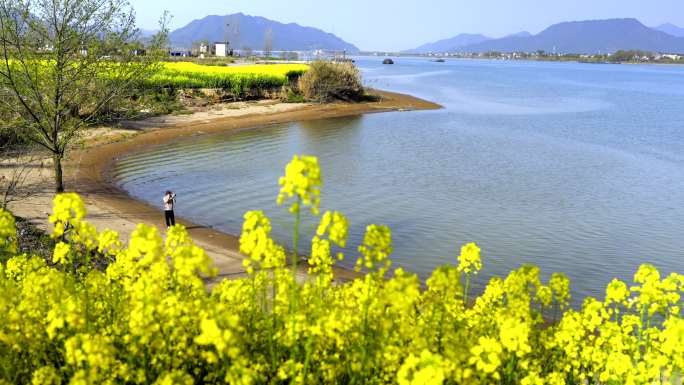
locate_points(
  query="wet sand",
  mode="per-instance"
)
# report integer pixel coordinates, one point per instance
(87, 171)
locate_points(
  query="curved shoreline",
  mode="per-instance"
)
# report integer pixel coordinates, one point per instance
(90, 169)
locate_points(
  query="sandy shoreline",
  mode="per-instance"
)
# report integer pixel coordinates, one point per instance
(87, 170)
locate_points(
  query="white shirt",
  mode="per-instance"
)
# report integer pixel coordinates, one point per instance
(168, 200)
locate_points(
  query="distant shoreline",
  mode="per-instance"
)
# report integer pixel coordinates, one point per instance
(573, 60)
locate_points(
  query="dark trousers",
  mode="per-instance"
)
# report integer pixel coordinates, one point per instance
(170, 219)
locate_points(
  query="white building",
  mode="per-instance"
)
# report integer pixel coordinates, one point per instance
(221, 49)
(672, 57)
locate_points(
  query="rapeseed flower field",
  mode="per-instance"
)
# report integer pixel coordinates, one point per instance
(237, 79)
(102, 312)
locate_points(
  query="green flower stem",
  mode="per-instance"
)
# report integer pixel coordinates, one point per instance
(272, 339)
(465, 290)
(295, 237)
(293, 299)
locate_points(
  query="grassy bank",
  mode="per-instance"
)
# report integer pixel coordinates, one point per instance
(179, 87)
(176, 87)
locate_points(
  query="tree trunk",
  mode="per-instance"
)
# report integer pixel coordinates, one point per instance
(57, 163)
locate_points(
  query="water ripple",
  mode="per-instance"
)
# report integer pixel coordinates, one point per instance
(567, 177)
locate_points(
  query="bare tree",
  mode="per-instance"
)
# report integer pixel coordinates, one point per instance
(16, 163)
(268, 42)
(62, 62)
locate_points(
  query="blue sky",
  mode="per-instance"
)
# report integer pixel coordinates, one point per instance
(400, 24)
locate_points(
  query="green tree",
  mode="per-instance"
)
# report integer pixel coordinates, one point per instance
(64, 62)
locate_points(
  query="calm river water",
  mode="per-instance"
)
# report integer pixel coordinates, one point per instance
(574, 167)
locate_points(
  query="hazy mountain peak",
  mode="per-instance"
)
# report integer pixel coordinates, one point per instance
(450, 44)
(609, 23)
(589, 36)
(243, 30)
(671, 29)
(667, 25)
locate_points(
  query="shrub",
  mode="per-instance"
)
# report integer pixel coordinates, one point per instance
(327, 81)
(291, 96)
(140, 314)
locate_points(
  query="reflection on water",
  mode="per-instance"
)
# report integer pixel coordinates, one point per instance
(525, 160)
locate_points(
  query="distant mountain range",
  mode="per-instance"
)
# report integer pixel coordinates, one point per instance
(580, 37)
(459, 41)
(244, 31)
(146, 34)
(452, 44)
(671, 29)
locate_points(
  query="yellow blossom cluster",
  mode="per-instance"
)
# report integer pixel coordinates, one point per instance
(376, 248)
(141, 313)
(256, 242)
(302, 181)
(8, 236)
(469, 260)
(335, 225)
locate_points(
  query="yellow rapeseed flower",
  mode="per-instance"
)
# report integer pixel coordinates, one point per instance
(469, 259)
(256, 242)
(544, 295)
(68, 208)
(376, 247)
(46, 375)
(176, 377)
(337, 226)
(302, 180)
(616, 292)
(8, 233)
(486, 355)
(109, 243)
(514, 336)
(560, 285)
(62, 254)
(426, 369)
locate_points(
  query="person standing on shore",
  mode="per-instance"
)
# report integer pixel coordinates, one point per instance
(169, 201)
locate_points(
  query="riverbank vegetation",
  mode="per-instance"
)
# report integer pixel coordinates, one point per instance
(67, 70)
(326, 81)
(235, 78)
(55, 54)
(238, 82)
(319, 81)
(140, 313)
(161, 88)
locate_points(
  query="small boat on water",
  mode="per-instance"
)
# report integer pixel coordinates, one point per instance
(439, 61)
(388, 61)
